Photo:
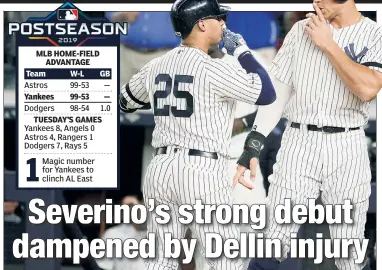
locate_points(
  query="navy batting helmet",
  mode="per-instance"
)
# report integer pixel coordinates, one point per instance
(186, 13)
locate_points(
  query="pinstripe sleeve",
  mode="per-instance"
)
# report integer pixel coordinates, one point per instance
(231, 82)
(373, 57)
(282, 66)
(134, 94)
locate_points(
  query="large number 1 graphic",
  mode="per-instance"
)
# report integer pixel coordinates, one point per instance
(165, 111)
(32, 171)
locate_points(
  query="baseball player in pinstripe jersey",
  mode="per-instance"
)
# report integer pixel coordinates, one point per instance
(193, 99)
(327, 71)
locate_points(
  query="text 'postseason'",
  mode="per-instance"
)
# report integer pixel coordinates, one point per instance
(67, 100)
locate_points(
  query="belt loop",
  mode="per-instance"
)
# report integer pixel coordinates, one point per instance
(304, 128)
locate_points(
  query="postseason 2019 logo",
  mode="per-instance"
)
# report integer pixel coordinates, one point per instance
(67, 23)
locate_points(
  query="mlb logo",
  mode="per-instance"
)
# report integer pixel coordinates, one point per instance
(67, 14)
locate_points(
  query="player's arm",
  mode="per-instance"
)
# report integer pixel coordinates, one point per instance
(268, 116)
(363, 79)
(231, 82)
(250, 84)
(134, 94)
(251, 65)
(266, 120)
(243, 123)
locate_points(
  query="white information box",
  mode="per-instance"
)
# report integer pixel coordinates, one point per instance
(67, 103)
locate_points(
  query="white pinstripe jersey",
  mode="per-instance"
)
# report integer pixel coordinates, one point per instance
(319, 96)
(193, 98)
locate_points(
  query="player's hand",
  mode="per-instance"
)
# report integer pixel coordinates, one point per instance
(249, 159)
(318, 29)
(233, 41)
(239, 176)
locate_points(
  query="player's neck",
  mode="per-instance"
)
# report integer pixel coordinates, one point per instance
(196, 43)
(346, 17)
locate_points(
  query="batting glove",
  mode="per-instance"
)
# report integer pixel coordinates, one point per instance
(234, 43)
(252, 147)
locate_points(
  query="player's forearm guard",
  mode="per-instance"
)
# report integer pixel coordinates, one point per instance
(251, 65)
(123, 102)
(252, 147)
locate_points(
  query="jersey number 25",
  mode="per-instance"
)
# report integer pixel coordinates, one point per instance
(165, 111)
